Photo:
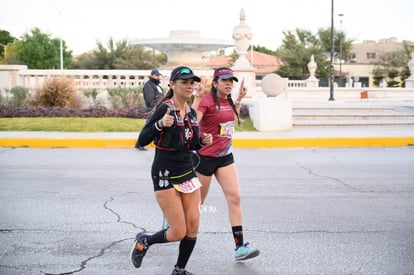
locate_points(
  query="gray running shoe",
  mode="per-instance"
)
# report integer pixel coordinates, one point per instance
(180, 271)
(139, 249)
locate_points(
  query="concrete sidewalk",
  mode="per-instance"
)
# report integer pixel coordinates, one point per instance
(297, 137)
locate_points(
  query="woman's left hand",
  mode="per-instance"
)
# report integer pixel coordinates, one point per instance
(207, 139)
(199, 89)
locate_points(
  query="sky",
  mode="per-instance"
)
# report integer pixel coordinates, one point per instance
(81, 23)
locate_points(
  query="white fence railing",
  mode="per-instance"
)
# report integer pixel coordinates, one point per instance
(102, 80)
(88, 79)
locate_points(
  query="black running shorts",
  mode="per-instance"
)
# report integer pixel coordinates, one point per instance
(163, 179)
(209, 165)
(160, 182)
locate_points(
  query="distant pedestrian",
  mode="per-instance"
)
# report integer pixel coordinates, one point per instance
(173, 128)
(152, 91)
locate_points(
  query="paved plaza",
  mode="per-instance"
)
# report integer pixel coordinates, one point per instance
(347, 210)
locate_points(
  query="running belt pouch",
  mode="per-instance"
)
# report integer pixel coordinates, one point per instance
(177, 179)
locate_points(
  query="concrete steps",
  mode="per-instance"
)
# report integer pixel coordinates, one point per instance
(352, 114)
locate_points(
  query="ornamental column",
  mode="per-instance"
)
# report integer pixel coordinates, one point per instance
(409, 82)
(242, 34)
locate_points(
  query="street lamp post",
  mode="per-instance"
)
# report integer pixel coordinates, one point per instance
(340, 50)
(61, 43)
(60, 10)
(331, 69)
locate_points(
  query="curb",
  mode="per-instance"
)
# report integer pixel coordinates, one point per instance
(237, 142)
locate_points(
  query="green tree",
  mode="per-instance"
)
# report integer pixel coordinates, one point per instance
(106, 57)
(324, 35)
(39, 50)
(295, 52)
(10, 55)
(5, 40)
(392, 67)
(139, 58)
(299, 45)
(84, 61)
(262, 49)
(118, 55)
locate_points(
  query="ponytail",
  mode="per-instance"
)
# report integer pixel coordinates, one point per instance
(230, 100)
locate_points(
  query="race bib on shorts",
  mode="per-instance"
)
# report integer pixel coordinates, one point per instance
(227, 129)
(188, 186)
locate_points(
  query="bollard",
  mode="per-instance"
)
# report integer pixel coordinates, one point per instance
(364, 95)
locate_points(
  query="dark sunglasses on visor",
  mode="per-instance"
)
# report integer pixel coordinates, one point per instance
(183, 71)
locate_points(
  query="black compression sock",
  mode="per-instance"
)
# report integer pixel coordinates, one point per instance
(159, 237)
(186, 248)
(238, 235)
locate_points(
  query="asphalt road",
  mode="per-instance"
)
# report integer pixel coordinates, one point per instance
(309, 211)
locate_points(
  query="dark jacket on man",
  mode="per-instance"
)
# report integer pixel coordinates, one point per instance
(152, 92)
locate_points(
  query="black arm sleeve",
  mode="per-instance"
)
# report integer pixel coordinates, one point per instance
(149, 132)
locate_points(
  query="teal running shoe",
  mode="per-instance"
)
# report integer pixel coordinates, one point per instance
(244, 252)
(165, 224)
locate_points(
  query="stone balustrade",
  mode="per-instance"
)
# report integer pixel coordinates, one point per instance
(101, 80)
(87, 79)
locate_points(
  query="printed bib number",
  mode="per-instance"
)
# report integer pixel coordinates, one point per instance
(227, 129)
(188, 186)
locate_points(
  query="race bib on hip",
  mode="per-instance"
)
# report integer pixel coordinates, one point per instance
(188, 186)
